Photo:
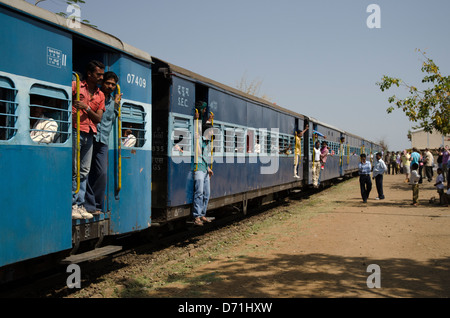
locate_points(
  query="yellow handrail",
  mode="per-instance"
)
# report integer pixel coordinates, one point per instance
(119, 144)
(348, 154)
(314, 153)
(196, 142)
(212, 140)
(78, 132)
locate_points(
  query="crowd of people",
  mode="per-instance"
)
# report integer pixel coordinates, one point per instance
(415, 165)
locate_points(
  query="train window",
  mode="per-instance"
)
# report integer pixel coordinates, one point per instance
(258, 142)
(229, 145)
(8, 108)
(239, 140)
(272, 143)
(264, 141)
(286, 144)
(181, 138)
(133, 125)
(49, 114)
(217, 140)
(250, 136)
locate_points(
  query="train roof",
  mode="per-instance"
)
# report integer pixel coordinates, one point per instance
(197, 77)
(84, 30)
(202, 79)
(325, 124)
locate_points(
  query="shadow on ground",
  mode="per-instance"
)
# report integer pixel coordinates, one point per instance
(321, 275)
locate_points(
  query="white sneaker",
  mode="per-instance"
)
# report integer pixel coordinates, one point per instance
(85, 214)
(75, 213)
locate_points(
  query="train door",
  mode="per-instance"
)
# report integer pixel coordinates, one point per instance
(127, 196)
(130, 170)
(343, 156)
(306, 149)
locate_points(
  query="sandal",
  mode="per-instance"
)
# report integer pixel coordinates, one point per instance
(205, 219)
(198, 222)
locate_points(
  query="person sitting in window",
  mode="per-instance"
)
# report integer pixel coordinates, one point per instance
(130, 139)
(43, 129)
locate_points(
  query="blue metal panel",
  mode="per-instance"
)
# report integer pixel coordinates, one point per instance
(180, 182)
(134, 77)
(228, 108)
(270, 119)
(182, 96)
(35, 193)
(31, 48)
(254, 116)
(331, 169)
(287, 124)
(131, 206)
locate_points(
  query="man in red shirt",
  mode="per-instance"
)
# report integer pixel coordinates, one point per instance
(91, 107)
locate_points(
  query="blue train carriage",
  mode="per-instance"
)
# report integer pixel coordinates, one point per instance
(337, 157)
(252, 155)
(39, 55)
(354, 147)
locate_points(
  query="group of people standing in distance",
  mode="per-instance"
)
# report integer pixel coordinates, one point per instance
(412, 165)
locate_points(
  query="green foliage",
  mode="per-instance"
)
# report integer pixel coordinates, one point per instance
(65, 15)
(429, 107)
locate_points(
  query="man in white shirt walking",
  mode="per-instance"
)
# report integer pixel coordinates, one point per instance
(379, 168)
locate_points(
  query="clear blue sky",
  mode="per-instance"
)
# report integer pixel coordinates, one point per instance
(318, 58)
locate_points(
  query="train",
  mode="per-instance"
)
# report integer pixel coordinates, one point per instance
(151, 183)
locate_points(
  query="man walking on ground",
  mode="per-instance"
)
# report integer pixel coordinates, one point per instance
(364, 168)
(378, 170)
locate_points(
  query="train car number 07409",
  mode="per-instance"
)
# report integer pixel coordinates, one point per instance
(136, 80)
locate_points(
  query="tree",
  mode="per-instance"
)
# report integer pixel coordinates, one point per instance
(251, 88)
(65, 15)
(428, 107)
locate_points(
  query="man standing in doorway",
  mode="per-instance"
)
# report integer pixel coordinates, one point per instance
(298, 149)
(91, 107)
(316, 164)
(202, 176)
(97, 180)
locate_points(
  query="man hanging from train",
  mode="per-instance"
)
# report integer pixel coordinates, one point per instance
(202, 173)
(298, 149)
(90, 105)
(97, 180)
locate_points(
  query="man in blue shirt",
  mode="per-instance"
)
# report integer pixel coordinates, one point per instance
(364, 169)
(96, 185)
(415, 156)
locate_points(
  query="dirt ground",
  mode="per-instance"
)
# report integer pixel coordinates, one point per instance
(320, 246)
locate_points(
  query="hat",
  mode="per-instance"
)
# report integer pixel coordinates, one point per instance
(201, 105)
